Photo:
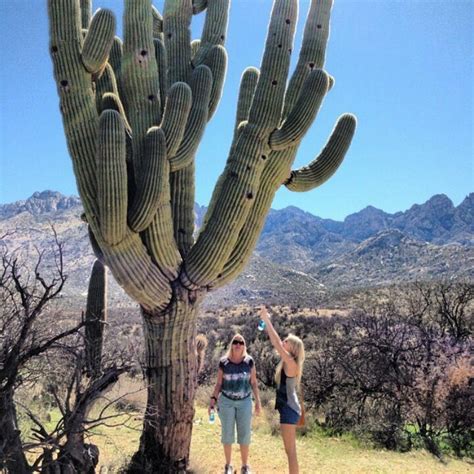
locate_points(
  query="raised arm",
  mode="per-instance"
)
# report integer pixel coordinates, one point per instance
(276, 341)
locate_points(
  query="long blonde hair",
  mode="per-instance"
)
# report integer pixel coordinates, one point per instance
(296, 349)
(229, 349)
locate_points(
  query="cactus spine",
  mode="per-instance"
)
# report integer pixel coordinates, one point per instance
(134, 114)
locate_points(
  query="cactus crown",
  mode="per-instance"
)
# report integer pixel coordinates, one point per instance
(134, 114)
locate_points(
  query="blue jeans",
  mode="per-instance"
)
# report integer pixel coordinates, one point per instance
(235, 413)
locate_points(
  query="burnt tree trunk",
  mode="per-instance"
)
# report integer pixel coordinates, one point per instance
(171, 372)
(12, 457)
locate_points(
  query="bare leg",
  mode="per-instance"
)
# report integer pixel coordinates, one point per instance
(228, 453)
(244, 453)
(288, 433)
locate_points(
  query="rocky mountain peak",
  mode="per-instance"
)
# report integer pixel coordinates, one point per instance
(40, 203)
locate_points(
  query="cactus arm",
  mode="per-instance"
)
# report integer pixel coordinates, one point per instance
(175, 117)
(105, 84)
(112, 177)
(313, 50)
(216, 60)
(177, 35)
(303, 113)
(150, 181)
(268, 99)
(115, 57)
(327, 162)
(139, 75)
(182, 202)
(244, 166)
(201, 83)
(86, 13)
(248, 83)
(157, 24)
(98, 41)
(214, 30)
(96, 318)
(162, 62)
(77, 102)
(211, 51)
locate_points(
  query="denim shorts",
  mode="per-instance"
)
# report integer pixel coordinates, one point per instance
(235, 413)
(288, 416)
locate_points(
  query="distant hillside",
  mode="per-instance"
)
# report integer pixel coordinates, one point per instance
(299, 258)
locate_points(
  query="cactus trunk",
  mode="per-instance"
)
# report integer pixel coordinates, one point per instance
(171, 373)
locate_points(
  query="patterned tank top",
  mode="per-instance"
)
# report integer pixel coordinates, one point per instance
(236, 378)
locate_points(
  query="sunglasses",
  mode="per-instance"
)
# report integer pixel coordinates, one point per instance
(240, 343)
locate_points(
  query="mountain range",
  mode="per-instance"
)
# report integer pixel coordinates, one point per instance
(299, 259)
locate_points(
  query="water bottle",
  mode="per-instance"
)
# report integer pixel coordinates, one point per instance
(212, 416)
(261, 325)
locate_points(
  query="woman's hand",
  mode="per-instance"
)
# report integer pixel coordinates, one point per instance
(263, 313)
(258, 409)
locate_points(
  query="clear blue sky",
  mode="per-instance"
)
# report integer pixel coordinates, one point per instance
(405, 68)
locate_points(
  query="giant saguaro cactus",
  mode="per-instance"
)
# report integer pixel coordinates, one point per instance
(134, 114)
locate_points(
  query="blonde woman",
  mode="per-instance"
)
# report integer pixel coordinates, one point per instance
(288, 377)
(236, 380)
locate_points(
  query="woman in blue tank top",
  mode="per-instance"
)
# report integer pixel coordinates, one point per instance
(288, 377)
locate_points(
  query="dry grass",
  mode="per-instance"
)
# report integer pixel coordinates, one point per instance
(316, 453)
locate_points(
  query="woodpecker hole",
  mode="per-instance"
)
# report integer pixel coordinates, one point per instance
(143, 52)
(169, 35)
(279, 45)
(181, 231)
(222, 37)
(263, 157)
(318, 27)
(54, 49)
(311, 65)
(233, 174)
(287, 21)
(151, 97)
(249, 195)
(64, 83)
(274, 83)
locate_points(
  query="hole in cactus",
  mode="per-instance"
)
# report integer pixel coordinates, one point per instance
(318, 27)
(151, 97)
(220, 274)
(290, 50)
(249, 195)
(311, 65)
(169, 35)
(279, 45)
(54, 49)
(287, 21)
(222, 37)
(143, 52)
(264, 157)
(233, 174)
(181, 231)
(64, 83)
(274, 83)
(248, 168)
